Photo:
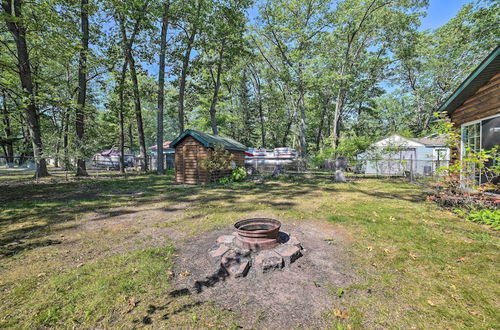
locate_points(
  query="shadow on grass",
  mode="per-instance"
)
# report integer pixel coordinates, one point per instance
(35, 209)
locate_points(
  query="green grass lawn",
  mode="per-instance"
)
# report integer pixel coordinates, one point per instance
(60, 267)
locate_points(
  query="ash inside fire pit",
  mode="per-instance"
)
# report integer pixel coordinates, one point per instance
(257, 244)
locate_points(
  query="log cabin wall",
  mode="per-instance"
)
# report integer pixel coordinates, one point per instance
(484, 103)
(189, 154)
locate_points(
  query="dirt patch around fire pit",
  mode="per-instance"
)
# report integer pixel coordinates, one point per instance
(295, 296)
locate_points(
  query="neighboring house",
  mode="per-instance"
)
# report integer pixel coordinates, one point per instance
(474, 108)
(192, 147)
(169, 155)
(395, 155)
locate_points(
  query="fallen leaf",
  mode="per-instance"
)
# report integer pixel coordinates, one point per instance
(430, 303)
(80, 265)
(132, 303)
(340, 314)
(453, 286)
(387, 251)
(209, 325)
(461, 259)
(412, 256)
(184, 274)
(392, 218)
(369, 248)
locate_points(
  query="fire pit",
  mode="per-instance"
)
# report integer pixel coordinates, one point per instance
(257, 244)
(257, 233)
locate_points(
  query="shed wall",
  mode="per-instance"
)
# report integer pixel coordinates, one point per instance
(189, 154)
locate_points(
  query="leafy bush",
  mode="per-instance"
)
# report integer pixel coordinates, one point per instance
(218, 160)
(486, 216)
(348, 147)
(239, 174)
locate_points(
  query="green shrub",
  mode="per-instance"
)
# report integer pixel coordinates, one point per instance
(239, 174)
(486, 216)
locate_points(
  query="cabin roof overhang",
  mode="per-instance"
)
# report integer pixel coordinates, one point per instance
(489, 67)
(209, 140)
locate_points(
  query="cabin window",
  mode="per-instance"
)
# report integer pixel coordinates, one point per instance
(484, 135)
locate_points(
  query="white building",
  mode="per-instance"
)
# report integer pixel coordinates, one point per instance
(396, 155)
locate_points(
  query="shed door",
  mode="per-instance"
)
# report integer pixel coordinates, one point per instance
(191, 170)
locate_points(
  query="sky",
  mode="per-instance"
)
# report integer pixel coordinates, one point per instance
(440, 12)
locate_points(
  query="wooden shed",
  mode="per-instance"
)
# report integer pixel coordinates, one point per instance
(191, 147)
(474, 109)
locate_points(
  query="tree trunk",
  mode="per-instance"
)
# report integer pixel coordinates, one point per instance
(261, 116)
(137, 96)
(9, 143)
(182, 82)
(121, 116)
(65, 124)
(321, 123)
(260, 108)
(138, 112)
(161, 90)
(215, 96)
(302, 118)
(336, 119)
(18, 31)
(81, 169)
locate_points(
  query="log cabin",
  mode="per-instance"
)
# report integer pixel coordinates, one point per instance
(192, 147)
(474, 109)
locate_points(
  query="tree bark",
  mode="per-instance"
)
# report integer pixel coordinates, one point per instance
(12, 10)
(302, 118)
(322, 122)
(260, 108)
(9, 143)
(81, 169)
(161, 90)
(336, 119)
(138, 111)
(215, 96)
(66, 140)
(182, 82)
(135, 87)
(121, 116)
(339, 104)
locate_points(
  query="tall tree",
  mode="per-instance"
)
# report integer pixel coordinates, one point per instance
(291, 29)
(81, 169)
(161, 88)
(16, 25)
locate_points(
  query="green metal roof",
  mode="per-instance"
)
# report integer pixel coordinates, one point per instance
(479, 77)
(209, 140)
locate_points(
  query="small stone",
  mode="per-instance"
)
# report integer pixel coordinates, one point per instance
(294, 242)
(225, 239)
(239, 270)
(268, 260)
(218, 250)
(290, 253)
(235, 263)
(339, 176)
